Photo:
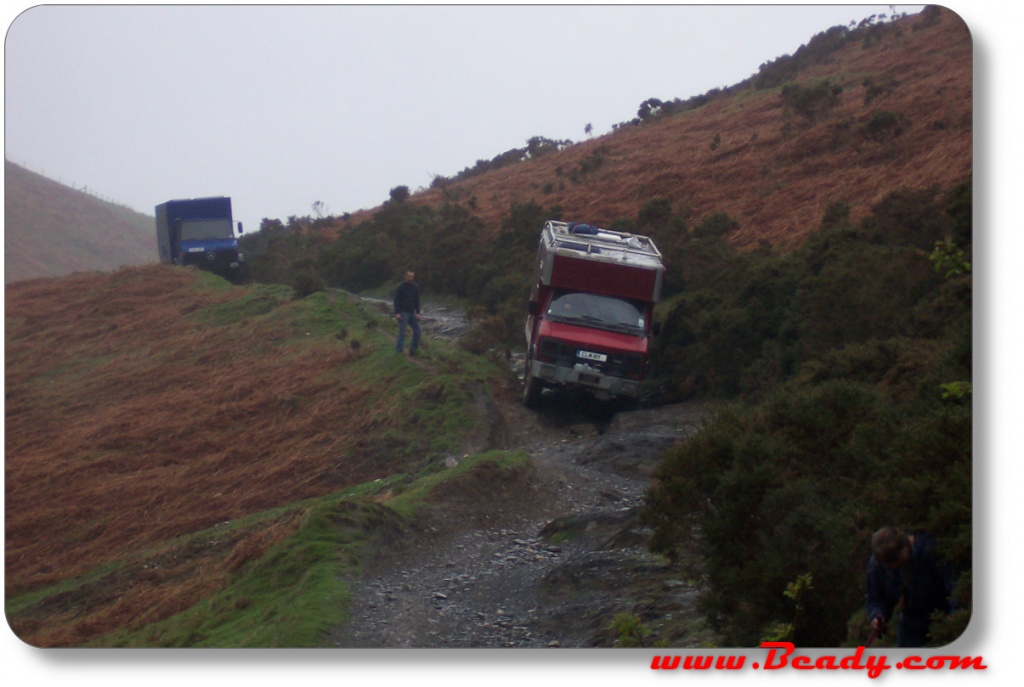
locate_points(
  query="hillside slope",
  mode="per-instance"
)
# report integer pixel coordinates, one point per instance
(51, 230)
(772, 159)
(147, 406)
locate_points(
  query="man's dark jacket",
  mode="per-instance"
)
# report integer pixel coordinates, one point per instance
(407, 298)
(926, 582)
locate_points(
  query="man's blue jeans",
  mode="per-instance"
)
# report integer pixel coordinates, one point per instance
(408, 319)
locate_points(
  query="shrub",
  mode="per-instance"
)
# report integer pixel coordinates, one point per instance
(588, 165)
(399, 194)
(793, 487)
(874, 89)
(649, 109)
(630, 630)
(654, 214)
(487, 333)
(306, 282)
(860, 354)
(810, 103)
(884, 126)
(717, 224)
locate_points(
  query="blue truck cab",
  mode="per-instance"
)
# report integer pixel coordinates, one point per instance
(200, 232)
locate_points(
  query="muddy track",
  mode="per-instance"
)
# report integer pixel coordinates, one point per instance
(545, 560)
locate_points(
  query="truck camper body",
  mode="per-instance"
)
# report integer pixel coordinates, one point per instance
(590, 312)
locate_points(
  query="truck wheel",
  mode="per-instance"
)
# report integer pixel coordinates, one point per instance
(532, 387)
(531, 392)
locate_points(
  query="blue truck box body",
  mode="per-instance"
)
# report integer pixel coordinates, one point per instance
(198, 231)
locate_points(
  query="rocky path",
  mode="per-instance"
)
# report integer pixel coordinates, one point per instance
(549, 561)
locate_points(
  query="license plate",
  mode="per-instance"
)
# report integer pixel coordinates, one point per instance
(587, 355)
(195, 250)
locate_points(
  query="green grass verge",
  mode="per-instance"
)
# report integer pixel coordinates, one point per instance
(290, 596)
(413, 497)
(296, 592)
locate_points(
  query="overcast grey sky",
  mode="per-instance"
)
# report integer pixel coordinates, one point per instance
(282, 106)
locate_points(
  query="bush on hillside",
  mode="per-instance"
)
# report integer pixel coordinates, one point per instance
(741, 322)
(794, 487)
(808, 104)
(854, 355)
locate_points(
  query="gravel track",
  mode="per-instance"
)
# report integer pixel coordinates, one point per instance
(546, 560)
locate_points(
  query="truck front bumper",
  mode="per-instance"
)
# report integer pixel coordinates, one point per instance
(601, 385)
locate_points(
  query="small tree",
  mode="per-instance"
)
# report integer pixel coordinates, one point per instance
(649, 109)
(400, 194)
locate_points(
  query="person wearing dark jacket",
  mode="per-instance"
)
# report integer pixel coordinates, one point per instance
(906, 567)
(407, 312)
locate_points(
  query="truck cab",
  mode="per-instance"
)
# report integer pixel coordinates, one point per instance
(200, 232)
(590, 311)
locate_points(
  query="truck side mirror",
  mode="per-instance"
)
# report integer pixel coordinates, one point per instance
(531, 307)
(240, 230)
(656, 329)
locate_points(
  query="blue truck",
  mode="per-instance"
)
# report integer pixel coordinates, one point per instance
(200, 232)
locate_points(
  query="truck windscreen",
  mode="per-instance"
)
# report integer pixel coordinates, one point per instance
(193, 230)
(593, 310)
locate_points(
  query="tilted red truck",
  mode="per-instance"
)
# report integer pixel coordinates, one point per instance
(590, 311)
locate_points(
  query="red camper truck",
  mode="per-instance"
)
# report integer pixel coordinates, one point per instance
(590, 311)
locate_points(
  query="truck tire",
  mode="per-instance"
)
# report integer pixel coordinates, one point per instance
(532, 387)
(531, 392)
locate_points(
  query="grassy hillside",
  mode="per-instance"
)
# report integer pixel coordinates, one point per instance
(771, 152)
(51, 230)
(164, 429)
(850, 121)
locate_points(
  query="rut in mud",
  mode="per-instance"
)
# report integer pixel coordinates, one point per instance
(546, 559)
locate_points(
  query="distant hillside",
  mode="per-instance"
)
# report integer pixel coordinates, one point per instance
(51, 230)
(848, 117)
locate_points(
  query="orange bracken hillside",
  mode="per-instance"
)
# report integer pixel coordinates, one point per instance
(129, 424)
(775, 180)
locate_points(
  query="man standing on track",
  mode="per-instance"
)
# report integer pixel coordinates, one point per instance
(407, 312)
